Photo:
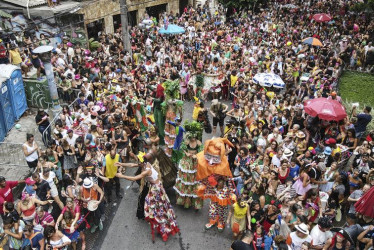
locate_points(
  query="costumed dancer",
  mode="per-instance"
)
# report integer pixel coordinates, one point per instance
(157, 208)
(179, 131)
(158, 114)
(186, 184)
(213, 171)
(172, 106)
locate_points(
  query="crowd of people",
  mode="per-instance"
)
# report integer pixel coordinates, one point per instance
(295, 176)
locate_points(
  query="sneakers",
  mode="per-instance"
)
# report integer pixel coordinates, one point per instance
(101, 225)
(93, 229)
(220, 227)
(210, 224)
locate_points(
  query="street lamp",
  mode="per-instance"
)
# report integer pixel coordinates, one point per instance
(45, 56)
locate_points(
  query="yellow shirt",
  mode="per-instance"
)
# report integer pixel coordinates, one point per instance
(240, 212)
(15, 56)
(233, 80)
(110, 169)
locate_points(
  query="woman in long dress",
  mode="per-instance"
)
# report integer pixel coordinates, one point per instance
(157, 208)
(186, 184)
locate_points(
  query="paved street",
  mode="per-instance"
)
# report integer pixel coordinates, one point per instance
(127, 232)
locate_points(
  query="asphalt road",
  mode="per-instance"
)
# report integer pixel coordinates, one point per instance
(127, 232)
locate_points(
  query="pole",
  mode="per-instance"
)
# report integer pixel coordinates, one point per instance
(125, 26)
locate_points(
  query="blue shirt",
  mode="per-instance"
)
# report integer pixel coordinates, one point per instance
(294, 171)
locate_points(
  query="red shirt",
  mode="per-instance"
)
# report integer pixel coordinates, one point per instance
(6, 193)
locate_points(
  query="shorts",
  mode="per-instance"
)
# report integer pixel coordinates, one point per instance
(217, 120)
(32, 164)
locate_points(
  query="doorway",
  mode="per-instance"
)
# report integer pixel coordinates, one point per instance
(155, 11)
(182, 4)
(131, 17)
(94, 28)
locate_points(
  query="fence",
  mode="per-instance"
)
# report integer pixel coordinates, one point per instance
(53, 122)
(11, 154)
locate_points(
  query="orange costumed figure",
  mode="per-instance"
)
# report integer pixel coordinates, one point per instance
(213, 171)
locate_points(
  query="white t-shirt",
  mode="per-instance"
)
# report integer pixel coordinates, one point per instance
(297, 241)
(71, 140)
(319, 237)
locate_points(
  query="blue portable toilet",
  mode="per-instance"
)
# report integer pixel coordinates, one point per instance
(14, 81)
(3, 131)
(6, 105)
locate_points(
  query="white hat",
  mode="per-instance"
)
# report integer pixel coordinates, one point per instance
(87, 183)
(302, 228)
(85, 79)
(287, 153)
(214, 101)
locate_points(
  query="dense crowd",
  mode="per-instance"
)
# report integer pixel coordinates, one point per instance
(295, 176)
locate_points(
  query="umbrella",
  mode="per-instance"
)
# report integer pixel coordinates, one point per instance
(325, 109)
(321, 17)
(312, 41)
(365, 205)
(269, 80)
(343, 232)
(172, 29)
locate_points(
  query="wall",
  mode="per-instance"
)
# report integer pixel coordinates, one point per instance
(107, 8)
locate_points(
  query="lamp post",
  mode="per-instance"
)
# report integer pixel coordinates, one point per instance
(44, 53)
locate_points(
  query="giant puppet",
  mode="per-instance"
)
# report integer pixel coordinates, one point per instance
(213, 171)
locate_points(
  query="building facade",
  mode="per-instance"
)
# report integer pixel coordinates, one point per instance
(104, 15)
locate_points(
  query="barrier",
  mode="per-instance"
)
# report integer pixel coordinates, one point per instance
(11, 154)
(53, 122)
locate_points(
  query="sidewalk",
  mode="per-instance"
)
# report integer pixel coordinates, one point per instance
(13, 165)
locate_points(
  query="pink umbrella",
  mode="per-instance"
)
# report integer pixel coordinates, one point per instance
(322, 17)
(325, 109)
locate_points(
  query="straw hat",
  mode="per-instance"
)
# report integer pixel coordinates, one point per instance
(300, 134)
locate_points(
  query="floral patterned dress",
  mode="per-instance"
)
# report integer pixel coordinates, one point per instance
(158, 210)
(170, 133)
(186, 183)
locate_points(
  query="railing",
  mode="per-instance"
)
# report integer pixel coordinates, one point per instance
(11, 154)
(53, 122)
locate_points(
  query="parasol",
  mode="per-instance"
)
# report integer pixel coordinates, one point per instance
(269, 80)
(172, 29)
(321, 17)
(325, 109)
(365, 205)
(312, 41)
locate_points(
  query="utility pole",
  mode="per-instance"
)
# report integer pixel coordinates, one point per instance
(125, 26)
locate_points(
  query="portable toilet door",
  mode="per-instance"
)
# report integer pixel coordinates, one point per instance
(6, 106)
(13, 74)
(3, 131)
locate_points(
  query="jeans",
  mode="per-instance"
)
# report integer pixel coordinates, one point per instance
(47, 137)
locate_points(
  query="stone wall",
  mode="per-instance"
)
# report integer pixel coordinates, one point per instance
(107, 8)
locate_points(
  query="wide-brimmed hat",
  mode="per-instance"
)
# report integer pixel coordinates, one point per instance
(302, 228)
(287, 153)
(300, 134)
(87, 183)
